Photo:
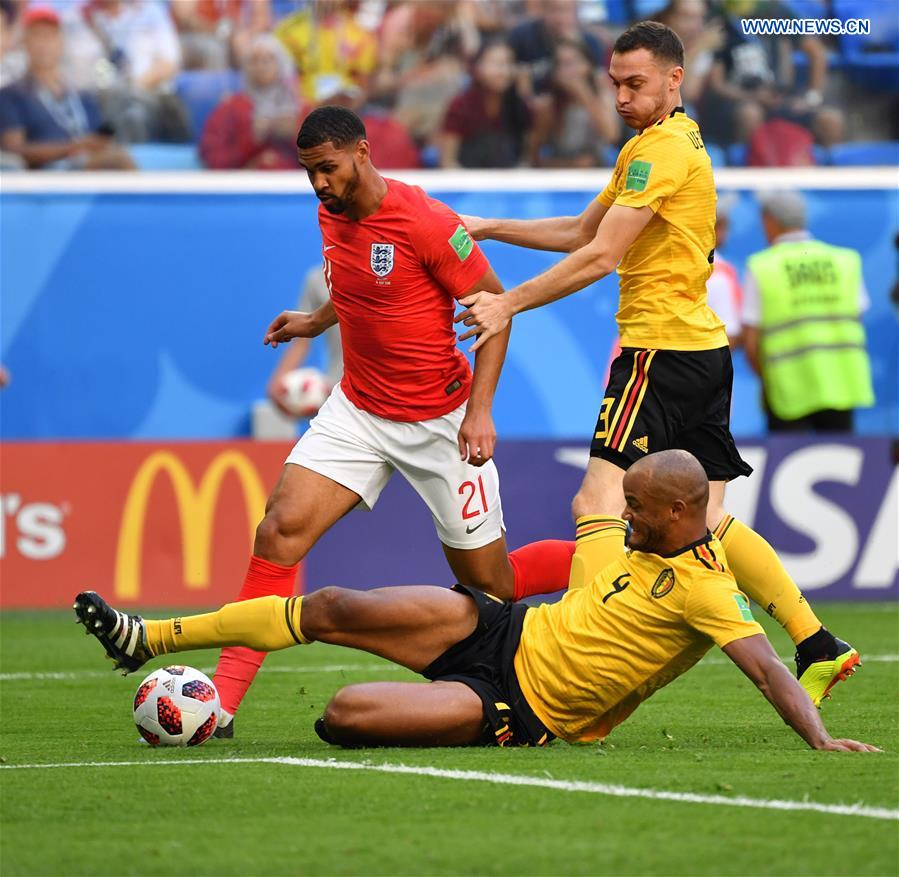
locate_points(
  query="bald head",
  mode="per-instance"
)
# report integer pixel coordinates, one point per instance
(667, 494)
(676, 474)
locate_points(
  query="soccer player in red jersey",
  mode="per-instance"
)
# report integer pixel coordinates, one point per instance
(395, 261)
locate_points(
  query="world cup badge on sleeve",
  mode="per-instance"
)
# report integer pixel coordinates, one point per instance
(382, 259)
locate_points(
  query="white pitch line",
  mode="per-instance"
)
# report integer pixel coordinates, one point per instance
(505, 779)
(324, 668)
(99, 674)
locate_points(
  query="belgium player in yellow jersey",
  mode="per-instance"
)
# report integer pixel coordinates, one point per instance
(504, 673)
(671, 385)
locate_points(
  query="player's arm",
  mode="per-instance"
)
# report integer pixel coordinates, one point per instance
(489, 314)
(758, 660)
(477, 434)
(299, 324)
(559, 234)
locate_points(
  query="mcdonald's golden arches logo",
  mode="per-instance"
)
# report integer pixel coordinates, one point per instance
(196, 511)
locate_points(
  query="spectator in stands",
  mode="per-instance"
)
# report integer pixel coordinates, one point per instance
(13, 65)
(753, 80)
(575, 120)
(725, 295)
(257, 127)
(702, 37)
(140, 42)
(328, 45)
(46, 122)
(489, 124)
(534, 40)
(802, 330)
(426, 47)
(13, 60)
(492, 18)
(215, 34)
(391, 145)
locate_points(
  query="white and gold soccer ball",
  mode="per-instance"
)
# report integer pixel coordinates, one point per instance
(304, 391)
(176, 706)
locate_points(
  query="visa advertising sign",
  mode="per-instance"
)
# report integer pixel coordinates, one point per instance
(172, 524)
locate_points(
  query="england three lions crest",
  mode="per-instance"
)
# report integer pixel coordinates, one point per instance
(382, 259)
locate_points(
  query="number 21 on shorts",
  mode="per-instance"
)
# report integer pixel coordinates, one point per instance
(473, 493)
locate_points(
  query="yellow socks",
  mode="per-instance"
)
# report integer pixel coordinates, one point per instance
(599, 542)
(759, 573)
(265, 624)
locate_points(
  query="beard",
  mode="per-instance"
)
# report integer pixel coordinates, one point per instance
(337, 205)
(647, 539)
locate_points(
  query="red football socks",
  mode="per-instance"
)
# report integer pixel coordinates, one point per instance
(541, 567)
(237, 666)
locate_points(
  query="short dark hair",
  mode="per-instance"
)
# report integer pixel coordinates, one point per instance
(330, 124)
(663, 42)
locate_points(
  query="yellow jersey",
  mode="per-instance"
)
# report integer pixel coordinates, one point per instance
(586, 663)
(329, 54)
(662, 302)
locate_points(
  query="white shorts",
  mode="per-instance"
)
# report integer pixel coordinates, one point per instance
(361, 452)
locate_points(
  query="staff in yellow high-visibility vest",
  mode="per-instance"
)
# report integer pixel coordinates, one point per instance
(802, 330)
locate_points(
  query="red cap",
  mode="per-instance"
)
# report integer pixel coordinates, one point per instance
(40, 15)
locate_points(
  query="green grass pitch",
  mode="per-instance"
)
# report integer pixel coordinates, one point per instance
(709, 733)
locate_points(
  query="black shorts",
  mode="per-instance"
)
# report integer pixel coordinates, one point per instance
(662, 399)
(484, 662)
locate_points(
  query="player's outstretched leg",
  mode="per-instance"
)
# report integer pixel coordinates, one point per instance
(822, 660)
(266, 624)
(409, 625)
(123, 636)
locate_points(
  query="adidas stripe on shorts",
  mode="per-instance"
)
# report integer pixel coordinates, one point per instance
(661, 399)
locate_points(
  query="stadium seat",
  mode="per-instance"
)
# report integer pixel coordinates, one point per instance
(610, 155)
(736, 154)
(808, 8)
(872, 60)
(165, 156)
(884, 152)
(717, 154)
(618, 12)
(821, 155)
(201, 90)
(642, 9)
(430, 156)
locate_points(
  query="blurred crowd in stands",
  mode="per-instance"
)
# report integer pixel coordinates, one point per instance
(224, 84)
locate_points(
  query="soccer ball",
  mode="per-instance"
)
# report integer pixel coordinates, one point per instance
(176, 706)
(304, 391)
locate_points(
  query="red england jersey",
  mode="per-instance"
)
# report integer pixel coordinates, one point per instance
(394, 277)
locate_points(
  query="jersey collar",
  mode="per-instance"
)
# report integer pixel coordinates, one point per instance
(703, 541)
(670, 115)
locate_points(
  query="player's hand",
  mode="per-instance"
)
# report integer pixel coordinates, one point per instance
(90, 143)
(289, 325)
(847, 746)
(477, 437)
(488, 314)
(476, 226)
